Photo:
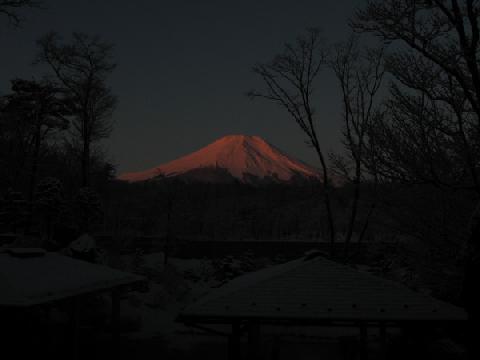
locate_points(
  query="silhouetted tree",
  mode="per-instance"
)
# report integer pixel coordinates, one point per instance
(14, 137)
(289, 82)
(40, 109)
(360, 75)
(435, 106)
(431, 132)
(13, 210)
(82, 68)
(173, 199)
(49, 202)
(87, 209)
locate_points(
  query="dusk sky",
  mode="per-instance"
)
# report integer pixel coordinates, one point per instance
(184, 67)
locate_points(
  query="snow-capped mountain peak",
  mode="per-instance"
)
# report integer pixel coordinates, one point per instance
(243, 157)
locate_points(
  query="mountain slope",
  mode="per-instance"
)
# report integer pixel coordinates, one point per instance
(245, 158)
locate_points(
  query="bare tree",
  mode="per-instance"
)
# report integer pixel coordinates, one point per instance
(431, 133)
(437, 64)
(42, 109)
(11, 9)
(169, 237)
(289, 82)
(360, 75)
(82, 68)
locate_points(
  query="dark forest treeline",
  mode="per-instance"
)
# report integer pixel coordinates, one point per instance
(238, 211)
(423, 225)
(215, 211)
(52, 166)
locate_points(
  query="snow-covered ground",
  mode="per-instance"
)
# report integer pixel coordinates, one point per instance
(171, 288)
(150, 316)
(183, 281)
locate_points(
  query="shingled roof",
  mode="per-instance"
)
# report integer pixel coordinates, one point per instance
(317, 290)
(26, 281)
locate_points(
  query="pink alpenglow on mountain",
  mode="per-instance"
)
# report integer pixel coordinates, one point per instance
(244, 157)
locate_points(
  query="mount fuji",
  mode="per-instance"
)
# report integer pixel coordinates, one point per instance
(233, 158)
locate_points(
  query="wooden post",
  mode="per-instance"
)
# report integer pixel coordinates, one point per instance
(383, 339)
(48, 330)
(254, 343)
(115, 322)
(75, 327)
(276, 347)
(363, 342)
(234, 348)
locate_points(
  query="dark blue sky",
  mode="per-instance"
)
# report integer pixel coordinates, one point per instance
(184, 66)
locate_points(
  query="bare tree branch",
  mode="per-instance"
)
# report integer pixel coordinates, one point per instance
(82, 68)
(11, 9)
(289, 80)
(360, 75)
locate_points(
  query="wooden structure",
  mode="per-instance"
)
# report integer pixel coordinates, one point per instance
(314, 292)
(32, 278)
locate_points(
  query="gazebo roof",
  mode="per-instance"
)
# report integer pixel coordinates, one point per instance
(30, 280)
(314, 291)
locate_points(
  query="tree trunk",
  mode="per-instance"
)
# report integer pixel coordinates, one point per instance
(33, 178)
(470, 294)
(326, 188)
(353, 217)
(86, 162)
(366, 223)
(168, 240)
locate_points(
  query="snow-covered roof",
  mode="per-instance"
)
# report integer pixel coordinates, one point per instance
(317, 290)
(26, 281)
